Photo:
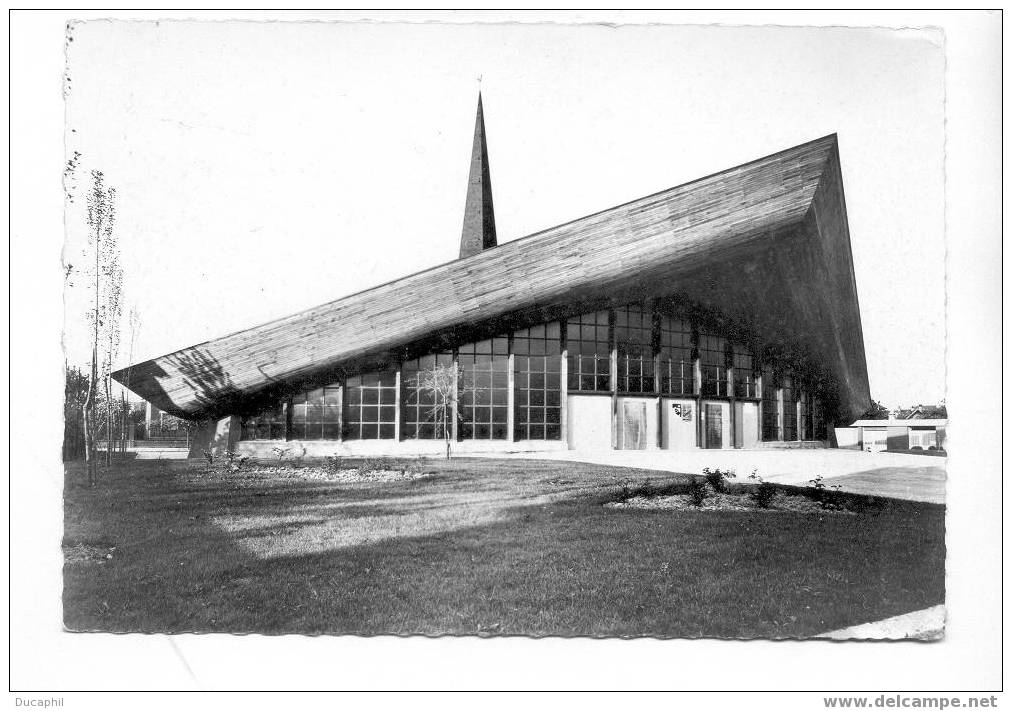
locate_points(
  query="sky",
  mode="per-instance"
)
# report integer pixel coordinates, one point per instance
(263, 168)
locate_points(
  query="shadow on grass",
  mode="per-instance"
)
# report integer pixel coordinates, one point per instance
(503, 554)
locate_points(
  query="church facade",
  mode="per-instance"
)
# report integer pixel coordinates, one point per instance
(716, 314)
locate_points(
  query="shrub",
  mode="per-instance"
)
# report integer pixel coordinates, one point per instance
(717, 479)
(373, 464)
(764, 493)
(281, 452)
(919, 448)
(209, 458)
(829, 497)
(234, 463)
(335, 463)
(697, 491)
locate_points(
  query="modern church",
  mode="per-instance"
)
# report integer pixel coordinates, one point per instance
(721, 313)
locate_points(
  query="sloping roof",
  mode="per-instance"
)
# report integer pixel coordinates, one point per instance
(660, 237)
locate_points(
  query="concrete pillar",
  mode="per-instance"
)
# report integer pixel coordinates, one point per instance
(454, 409)
(564, 396)
(397, 403)
(510, 397)
(613, 377)
(780, 414)
(216, 436)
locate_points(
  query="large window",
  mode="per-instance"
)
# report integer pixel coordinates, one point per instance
(771, 408)
(634, 343)
(269, 424)
(713, 365)
(744, 374)
(423, 382)
(484, 389)
(317, 414)
(676, 357)
(791, 393)
(536, 383)
(589, 349)
(370, 409)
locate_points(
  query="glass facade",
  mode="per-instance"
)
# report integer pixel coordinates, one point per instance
(370, 410)
(588, 345)
(483, 396)
(317, 414)
(269, 424)
(537, 392)
(771, 407)
(677, 367)
(744, 374)
(427, 396)
(713, 365)
(369, 405)
(791, 394)
(634, 344)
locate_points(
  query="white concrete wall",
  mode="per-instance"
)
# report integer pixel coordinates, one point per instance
(650, 405)
(848, 437)
(679, 434)
(747, 421)
(264, 448)
(588, 423)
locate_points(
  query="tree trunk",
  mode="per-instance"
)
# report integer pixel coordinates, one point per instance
(89, 422)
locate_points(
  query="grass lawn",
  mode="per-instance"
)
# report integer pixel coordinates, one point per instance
(483, 546)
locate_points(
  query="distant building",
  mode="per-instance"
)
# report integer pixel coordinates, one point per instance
(720, 313)
(893, 435)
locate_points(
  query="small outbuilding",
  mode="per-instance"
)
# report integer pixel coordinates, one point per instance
(893, 435)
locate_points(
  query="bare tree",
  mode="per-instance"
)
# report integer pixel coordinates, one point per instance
(444, 385)
(105, 281)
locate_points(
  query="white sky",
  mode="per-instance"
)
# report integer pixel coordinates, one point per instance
(263, 168)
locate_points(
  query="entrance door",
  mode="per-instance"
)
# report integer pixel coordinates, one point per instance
(746, 424)
(714, 426)
(634, 425)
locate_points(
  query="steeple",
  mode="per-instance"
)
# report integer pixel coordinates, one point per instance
(479, 217)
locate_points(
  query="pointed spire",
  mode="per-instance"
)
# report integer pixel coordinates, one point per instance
(479, 217)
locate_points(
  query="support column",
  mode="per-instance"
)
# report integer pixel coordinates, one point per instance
(510, 397)
(780, 414)
(288, 419)
(454, 409)
(733, 415)
(660, 406)
(397, 403)
(564, 392)
(340, 412)
(798, 432)
(697, 389)
(613, 377)
(216, 436)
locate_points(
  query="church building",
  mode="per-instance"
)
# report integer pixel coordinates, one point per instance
(721, 313)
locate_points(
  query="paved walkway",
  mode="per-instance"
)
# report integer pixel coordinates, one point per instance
(927, 624)
(904, 476)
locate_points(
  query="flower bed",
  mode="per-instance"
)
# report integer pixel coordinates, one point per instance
(726, 502)
(715, 492)
(242, 470)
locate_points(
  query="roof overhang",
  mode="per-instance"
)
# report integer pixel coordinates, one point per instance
(767, 239)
